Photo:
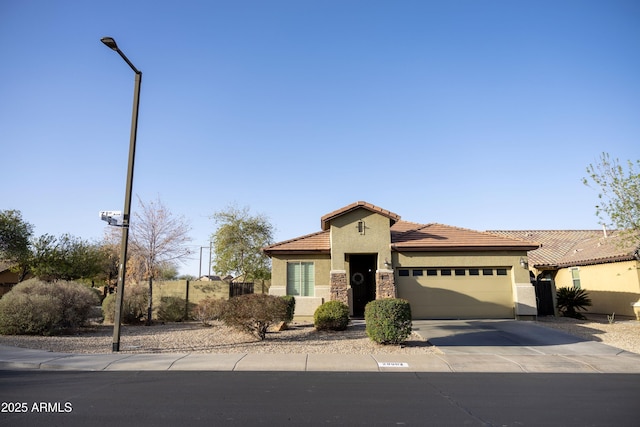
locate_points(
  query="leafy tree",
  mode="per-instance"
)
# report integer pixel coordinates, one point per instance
(15, 235)
(238, 243)
(158, 240)
(64, 258)
(110, 257)
(619, 195)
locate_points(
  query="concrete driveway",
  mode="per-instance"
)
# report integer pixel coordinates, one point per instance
(505, 337)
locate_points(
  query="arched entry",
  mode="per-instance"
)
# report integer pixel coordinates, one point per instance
(362, 279)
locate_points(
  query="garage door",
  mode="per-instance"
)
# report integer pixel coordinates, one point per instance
(457, 293)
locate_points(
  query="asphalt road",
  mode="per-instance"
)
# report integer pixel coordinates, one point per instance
(46, 398)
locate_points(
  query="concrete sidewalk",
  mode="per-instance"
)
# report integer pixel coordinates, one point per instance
(465, 346)
(12, 358)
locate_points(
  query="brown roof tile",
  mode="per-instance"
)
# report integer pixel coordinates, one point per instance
(406, 236)
(431, 237)
(315, 242)
(563, 248)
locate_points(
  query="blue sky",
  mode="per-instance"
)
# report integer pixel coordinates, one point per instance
(478, 114)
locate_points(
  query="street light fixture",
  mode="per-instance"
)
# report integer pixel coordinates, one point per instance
(111, 43)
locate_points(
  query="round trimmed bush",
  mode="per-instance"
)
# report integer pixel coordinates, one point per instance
(134, 305)
(209, 309)
(174, 309)
(254, 313)
(35, 307)
(332, 316)
(388, 320)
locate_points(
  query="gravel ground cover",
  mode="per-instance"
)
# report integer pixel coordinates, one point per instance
(299, 338)
(623, 333)
(218, 338)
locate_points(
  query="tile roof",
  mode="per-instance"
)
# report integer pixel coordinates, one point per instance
(316, 242)
(326, 219)
(406, 236)
(565, 248)
(432, 237)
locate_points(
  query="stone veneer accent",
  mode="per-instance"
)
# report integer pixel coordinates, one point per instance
(338, 287)
(385, 284)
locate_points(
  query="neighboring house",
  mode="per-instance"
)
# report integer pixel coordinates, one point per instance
(594, 260)
(364, 252)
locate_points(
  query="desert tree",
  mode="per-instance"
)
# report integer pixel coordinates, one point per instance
(65, 258)
(618, 195)
(158, 240)
(238, 243)
(15, 241)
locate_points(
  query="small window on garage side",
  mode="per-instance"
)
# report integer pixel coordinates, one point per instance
(474, 272)
(445, 272)
(575, 277)
(460, 272)
(501, 271)
(403, 272)
(417, 272)
(487, 272)
(432, 272)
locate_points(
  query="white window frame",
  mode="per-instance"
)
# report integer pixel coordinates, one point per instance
(575, 279)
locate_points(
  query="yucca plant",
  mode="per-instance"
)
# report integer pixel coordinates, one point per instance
(570, 300)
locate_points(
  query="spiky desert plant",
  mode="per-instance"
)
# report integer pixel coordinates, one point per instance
(570, 300)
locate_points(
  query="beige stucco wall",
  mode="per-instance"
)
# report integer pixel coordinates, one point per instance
(346, 239)
(612, 287)
(305, 306)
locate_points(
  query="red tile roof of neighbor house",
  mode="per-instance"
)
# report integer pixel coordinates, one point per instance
(406, 236)
(565, 248)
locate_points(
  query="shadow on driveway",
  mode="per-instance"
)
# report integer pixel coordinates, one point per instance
(503, 337)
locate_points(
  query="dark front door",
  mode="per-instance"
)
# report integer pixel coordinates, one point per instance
(362, 278)
(544, 297)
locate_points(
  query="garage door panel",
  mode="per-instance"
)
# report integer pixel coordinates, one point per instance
(458, 298)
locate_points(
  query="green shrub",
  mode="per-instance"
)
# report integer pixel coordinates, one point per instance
(388, 320)
(332, 315)
(209, 309)
(254, 313)
(134, 305)
(571, 299)
(291, 307)
(39, 308)
(174, 309)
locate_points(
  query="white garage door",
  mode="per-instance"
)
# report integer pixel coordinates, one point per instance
(457, 293)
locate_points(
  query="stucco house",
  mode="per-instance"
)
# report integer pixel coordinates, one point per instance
(594, 260)
(363, 252)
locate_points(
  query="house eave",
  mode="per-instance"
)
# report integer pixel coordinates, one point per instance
(460, 248)
(297, 252)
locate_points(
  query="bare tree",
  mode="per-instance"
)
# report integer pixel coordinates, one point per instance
(158, 238)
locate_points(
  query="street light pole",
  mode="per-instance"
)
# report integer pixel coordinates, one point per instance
(111, 43)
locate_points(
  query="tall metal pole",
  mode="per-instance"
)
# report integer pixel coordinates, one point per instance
(110, 42)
